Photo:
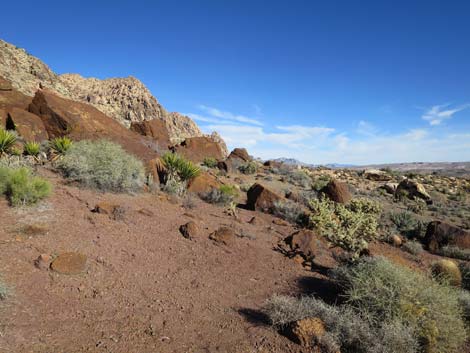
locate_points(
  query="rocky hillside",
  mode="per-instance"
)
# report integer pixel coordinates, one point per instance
(124, 99)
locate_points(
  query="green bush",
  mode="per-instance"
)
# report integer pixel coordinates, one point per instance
(4, 290)
(31, 148)
(210, 162)
(388, 293)
(349, 226)
(21, 187)
(408, 225)
(248, 168)
(60, 145)
(321, 182)
(346, 330)
(7, 140)
(179, 168)
(103, 165)
(223, 195)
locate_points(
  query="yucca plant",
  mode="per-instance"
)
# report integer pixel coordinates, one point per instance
(60, 145)
(179, 167)
(31, 148)
(7, 140)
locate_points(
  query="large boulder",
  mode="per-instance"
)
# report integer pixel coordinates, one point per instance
(337, 191)
(260, 198)
(240, 153)
(412, 189)
(156, 129)
(377, 175)
(29, 126)
(9, 97)
(82, 121)
(204, 182)
(439, 234)
(196, 149)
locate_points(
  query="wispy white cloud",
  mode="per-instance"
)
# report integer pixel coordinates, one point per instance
(438, 113)
(322, 144)
(223, 115)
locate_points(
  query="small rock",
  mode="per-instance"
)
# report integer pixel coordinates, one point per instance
(223, 235)
(377, 175)
(146, 212)
(70, 263)
(396, 240)
(189, 230)
(43, 262)
(337, 191)
(255, 221)
(280, 222)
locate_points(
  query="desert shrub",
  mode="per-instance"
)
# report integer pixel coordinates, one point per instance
(349, 227)
(299, 178)
(222, 196)
(346, 330)
(21, 187)
(248, 168)
(179, 168)
(31, 148)
(455, 252)
(464, 300)
(174, 187)
(386, 292)
(290, 211)
(365, 206)
(210, 162)
(7, 140)
(413, 247)
(408, 225)
(60, 145)
(320, 182)
(103, 165)
(465, 271)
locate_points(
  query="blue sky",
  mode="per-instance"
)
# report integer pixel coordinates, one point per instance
(330, 81)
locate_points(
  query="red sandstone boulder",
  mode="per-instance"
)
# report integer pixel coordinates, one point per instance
(440, 234)
(82, 121)
(9, 97)
(29, 126)
(203, 183)
(196, 149)
(240, 153)
(337, 191)
(261, 199)
(156, 129)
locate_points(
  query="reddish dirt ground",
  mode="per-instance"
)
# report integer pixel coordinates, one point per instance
(146, 288)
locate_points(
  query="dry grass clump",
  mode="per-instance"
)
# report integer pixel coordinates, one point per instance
(103, 165)
(413, 247)
(248, 168)
(386, 292)
(455, 252)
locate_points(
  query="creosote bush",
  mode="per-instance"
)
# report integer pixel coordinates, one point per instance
(350, 226)
(103, 165)
(455, 252)
(408, 225)
(299, 178)
(413, 247)
(21, 187)
(388, 293)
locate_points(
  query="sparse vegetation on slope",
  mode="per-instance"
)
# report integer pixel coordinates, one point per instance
(103, 165)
